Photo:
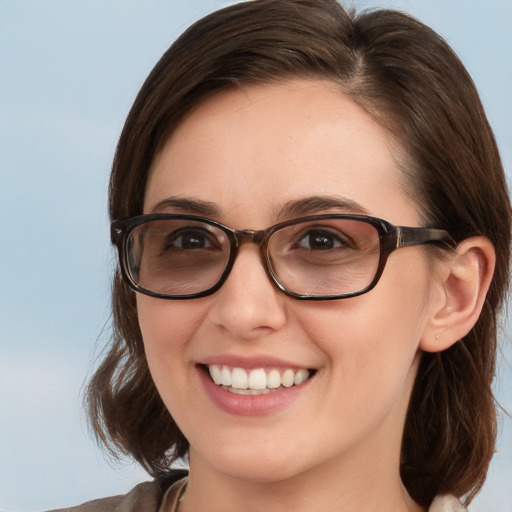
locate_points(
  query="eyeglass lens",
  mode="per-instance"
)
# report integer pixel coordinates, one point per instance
(187, 257)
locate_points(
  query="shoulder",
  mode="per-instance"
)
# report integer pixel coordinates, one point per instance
(147, 492)
(446, 503)
(145, 497)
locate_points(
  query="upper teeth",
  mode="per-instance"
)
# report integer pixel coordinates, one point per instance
(257, 379)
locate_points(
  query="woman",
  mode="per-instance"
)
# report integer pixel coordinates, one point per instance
(272, 322)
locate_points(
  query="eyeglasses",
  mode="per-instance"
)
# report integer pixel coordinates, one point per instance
(319, 257)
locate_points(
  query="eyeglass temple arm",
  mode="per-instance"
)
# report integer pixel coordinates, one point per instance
(407, 236)
(117, 229)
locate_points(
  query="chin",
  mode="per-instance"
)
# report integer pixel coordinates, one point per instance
(257, 465)
(261, 473)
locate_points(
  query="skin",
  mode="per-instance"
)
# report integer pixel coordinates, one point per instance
(250, 153)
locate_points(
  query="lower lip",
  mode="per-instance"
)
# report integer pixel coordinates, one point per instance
(250, 405)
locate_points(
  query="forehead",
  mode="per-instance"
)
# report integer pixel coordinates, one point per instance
(261, 146)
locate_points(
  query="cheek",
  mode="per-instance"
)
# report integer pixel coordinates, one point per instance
(166, 325)
(372, 340)
(167, 328)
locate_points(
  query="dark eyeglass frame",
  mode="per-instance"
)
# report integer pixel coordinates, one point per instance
(391, 238)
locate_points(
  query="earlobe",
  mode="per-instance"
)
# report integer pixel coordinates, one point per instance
(466, 277)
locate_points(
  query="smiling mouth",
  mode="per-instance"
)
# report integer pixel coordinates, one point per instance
(257, 381)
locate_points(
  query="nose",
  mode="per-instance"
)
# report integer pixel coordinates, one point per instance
(248, 305)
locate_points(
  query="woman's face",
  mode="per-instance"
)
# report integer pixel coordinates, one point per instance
(250, 158)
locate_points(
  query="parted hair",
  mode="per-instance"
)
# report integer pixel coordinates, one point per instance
(410, 81)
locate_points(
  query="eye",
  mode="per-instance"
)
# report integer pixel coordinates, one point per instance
(192, 239)
(322, 240)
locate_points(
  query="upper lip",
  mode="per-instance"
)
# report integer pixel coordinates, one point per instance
(250, 362)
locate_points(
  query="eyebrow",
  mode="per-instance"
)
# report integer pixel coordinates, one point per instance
(304, 206)
(187, 205)
(315, 204)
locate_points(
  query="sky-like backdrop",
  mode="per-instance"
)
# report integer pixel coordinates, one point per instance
(69, 71)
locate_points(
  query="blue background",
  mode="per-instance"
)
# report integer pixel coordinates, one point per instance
(69, 71)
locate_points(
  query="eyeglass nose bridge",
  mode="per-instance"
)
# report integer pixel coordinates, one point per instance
(260, 239)
(250, 236)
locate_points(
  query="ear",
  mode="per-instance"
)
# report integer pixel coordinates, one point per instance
(464, 279)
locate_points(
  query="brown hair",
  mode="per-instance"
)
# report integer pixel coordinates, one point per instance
(405, 76)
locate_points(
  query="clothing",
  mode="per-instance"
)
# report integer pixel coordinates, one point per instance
(165, 496)
(155, 496)
(446, 504)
